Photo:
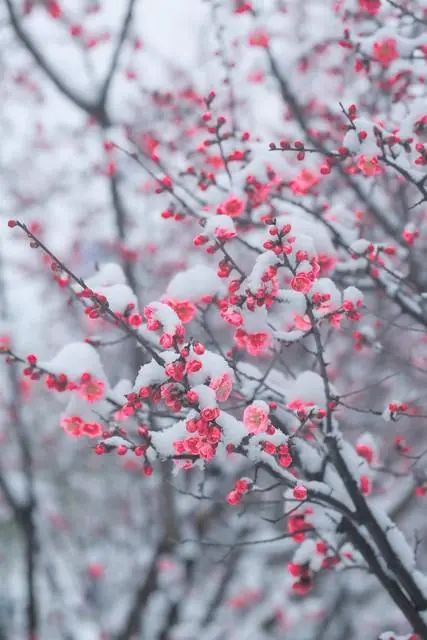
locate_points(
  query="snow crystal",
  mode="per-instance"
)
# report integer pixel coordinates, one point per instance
(108, 275)
(75, 359)
(195, 283)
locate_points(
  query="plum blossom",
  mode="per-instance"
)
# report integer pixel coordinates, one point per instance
(92, 429)
(299, 492)
(76, 427)
(72, 425)
(301, 282)
(255, 417)
(370, 6)
(254, 343)
(304, 181)
(385, 51)
(369, 165)
(184, 309)
(90, 388)
(222, 386)
(259, 38)
(232, 206)
(302, 322)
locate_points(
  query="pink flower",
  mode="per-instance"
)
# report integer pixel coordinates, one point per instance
(222, 385)
(175, 370)
(95, 570)
(255, 417)
(72, 425)
(242, 485)
(256, 343)
(199, 348)
(285, 460)
(215, 161)
(184, 309)
(326, 263)
(233, 317)
(135, 320)
(303, 586)
(54, 9)
(207, 451)
(149, 312)
(232, 207)
(224, 234)
(385, 51)
(409, 236)
(303, 323)
(301, 282)
(4, 343)
(259, 38)
(370, 6)
(365, 485)
(246, 598)
(369, 165)
(299, 492)
(302, 409)
(91, 389)
(166, 340)
(92, 429)
(193, 366)
(240, 338)
(242, 7)
(365, 451)
(233, 498)
(335, 320)
(303, 182)
(209, 414)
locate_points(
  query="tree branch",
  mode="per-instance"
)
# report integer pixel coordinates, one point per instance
(103, 97)
(92, 108)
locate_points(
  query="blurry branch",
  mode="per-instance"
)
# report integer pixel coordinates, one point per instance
(337, 617)
(24, 512)
(120, 322)
(132, 624)
(388, 581)
(92, 108)
(168, 510)
(120, 217)
(95, 108)
(221, 588)
(103, 97)
(203, 520)
(379, 535)
(407, 12)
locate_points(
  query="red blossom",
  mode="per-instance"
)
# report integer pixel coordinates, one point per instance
(370, 6)
(385, 51)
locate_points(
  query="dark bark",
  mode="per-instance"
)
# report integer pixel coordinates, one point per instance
(132, 624)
